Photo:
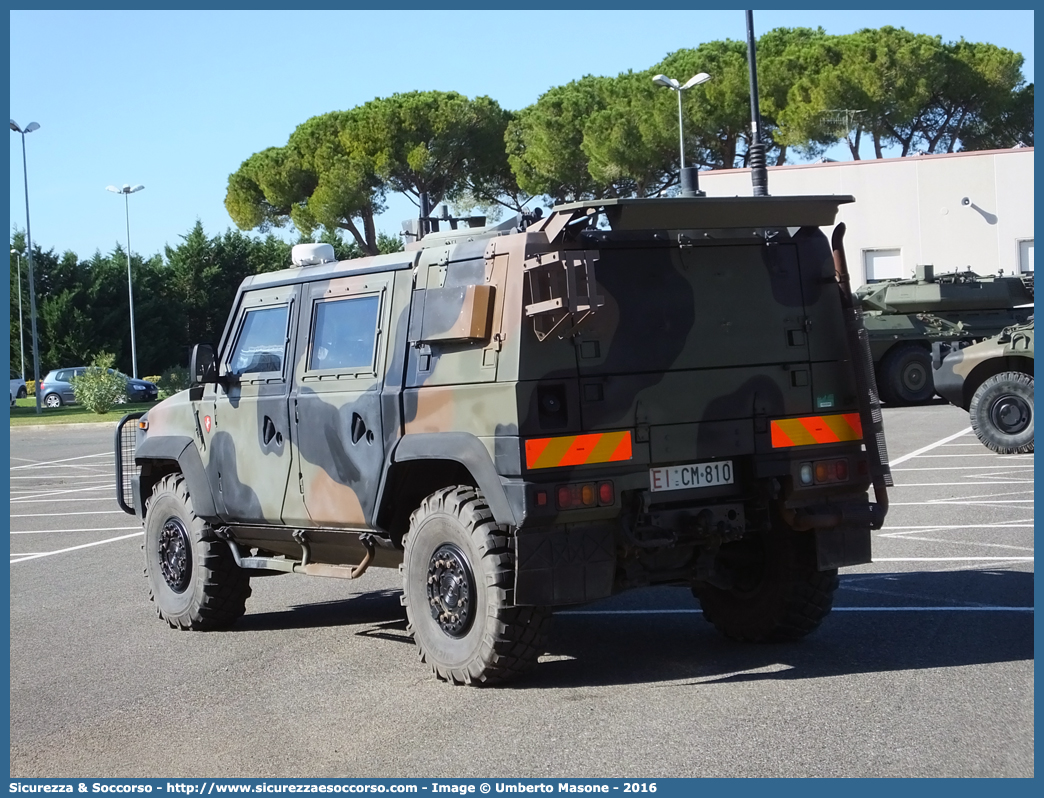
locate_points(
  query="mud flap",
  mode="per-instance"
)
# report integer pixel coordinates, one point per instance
(848, 543)
(564, 566)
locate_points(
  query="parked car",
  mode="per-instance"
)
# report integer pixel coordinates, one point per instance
(57, 390)
(18, 390)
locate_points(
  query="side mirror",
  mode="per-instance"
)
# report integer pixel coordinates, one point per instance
(202, 365)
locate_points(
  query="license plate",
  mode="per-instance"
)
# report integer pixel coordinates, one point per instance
(694, 475)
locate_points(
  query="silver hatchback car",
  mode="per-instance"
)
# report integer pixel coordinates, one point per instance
(56, 388)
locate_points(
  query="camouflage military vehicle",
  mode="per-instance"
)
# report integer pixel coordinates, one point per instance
(903, 318)
(530, 415)
(993, 381)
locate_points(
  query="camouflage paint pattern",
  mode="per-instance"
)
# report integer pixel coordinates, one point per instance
(957, 307)
(962, 371)
(702, 334)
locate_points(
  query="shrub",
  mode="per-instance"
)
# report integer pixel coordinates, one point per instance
(100, 387)
(154, 379)
(173, 380)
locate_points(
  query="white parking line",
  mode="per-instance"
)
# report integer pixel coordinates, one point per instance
(929, 447)
(984, 453)
(907, 536)
(959, 502)
(63, 460)
(1003, 466)
(1022, 523)
(836, 609)
(964, 484)
(20, 500)
(23, 558)
(86, 529)
(950, 559)
(80, 512)
(61, 492)
(39, 478)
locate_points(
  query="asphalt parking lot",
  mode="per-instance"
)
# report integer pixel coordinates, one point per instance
(925, 668)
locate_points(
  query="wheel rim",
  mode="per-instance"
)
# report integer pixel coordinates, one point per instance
(1010, 414)
(914, 377)
(175, 555)
(52, 401)
(451, 590)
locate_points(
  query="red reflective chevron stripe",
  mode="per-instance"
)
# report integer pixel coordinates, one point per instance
(573, 450)
(809, 430)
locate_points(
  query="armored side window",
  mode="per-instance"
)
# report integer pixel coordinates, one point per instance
(344, 334)
(262, 342)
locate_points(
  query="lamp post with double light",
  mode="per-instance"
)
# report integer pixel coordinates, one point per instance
(21, 336)
(126, 191)
(29, 253)
(687, 177)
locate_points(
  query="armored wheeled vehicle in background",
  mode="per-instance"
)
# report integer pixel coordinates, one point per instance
(903, 318)
(993, 381)
(525, 416)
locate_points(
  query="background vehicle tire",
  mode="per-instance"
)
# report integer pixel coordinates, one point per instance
(193, 578)
(458, 579)
(22, 393)
(906, 375)
(52, 400)
(1001, 413)
(778, 594)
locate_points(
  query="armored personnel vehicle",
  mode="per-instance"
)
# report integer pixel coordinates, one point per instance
(524, 416)
(903, 318)
(993, 381)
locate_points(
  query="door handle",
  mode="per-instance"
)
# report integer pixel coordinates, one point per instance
(268, 431)
(358, 427)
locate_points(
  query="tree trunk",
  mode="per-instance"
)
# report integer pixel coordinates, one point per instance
(853, 145)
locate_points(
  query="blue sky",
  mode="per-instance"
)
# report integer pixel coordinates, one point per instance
(177, 100)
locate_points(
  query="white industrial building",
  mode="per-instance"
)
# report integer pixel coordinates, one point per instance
(956, 211)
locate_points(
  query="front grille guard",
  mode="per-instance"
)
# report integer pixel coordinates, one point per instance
(866, 383)
(126, 442)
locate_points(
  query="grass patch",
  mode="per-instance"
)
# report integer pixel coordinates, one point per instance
(24, 412)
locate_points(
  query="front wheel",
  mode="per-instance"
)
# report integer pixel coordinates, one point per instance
(777, 594)
(193, 578)
(22, 393)
(458, 580)
(1001, 413)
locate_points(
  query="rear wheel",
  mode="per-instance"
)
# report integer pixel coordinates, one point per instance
(1001, 413)
(52, 400)
(193, 578)
(458, 579)
(906, 375)
(22, 393)
(776, 595)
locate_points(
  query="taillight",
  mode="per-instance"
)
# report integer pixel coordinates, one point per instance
(823, 471)
(577, 495)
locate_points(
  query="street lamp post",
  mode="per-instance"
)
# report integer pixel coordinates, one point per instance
(29, 250)
(687, 177)
(21, 336)
(126, 191)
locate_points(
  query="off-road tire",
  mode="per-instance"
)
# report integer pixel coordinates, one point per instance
(778, 595)
(53, 400)
(193, 579)
(906, 375)
(1001, 413)
(483, 638)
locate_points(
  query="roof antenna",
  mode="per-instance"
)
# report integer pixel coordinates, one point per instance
(758, 172)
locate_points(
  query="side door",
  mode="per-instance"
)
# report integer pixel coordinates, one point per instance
(336, 401)
(249, 424)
